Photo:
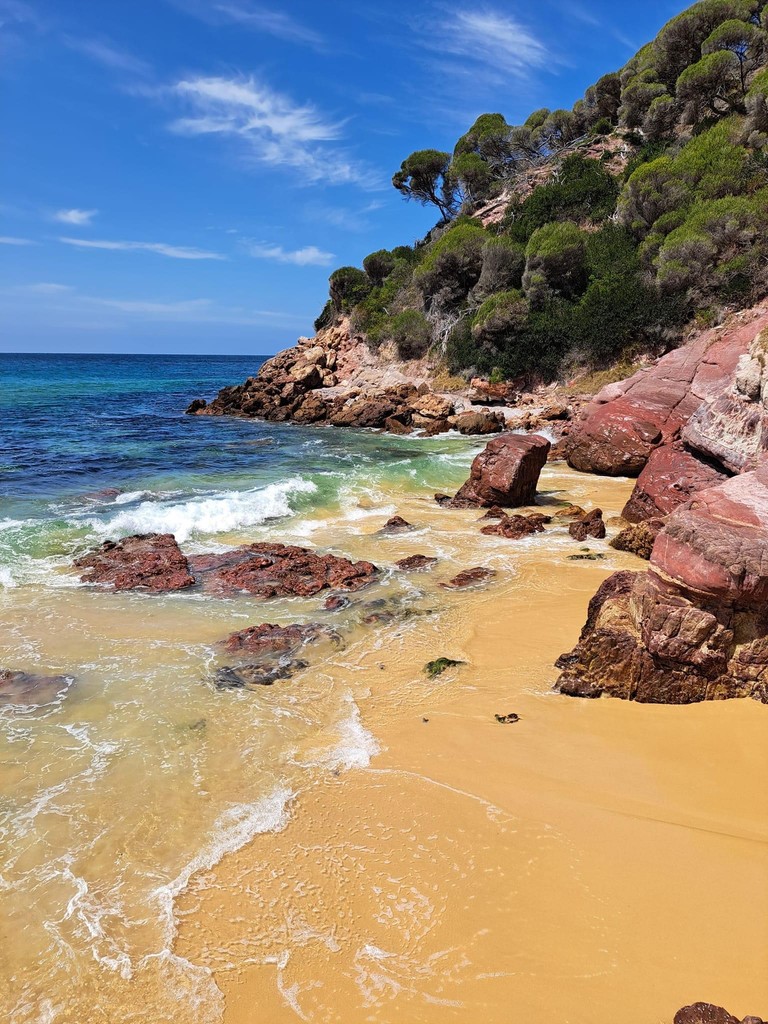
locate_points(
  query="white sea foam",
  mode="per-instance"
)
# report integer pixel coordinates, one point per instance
(6, 578)
(223, 513)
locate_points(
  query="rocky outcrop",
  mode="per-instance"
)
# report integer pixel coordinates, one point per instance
(268, 570)
(150, 561)
(707, 1013)
(505, 473)
(155, 562)
(695, 626)
(617, 432)
(672, 475)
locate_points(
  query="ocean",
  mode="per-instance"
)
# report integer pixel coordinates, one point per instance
(139, 774)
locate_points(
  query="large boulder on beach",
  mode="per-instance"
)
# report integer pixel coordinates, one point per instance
(149, 561)
(708, 1013)
(268, 570)
(505, 473)
(672, 475)
(695, 625)
(617, 431)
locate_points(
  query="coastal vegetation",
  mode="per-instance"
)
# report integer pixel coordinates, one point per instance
(587, 235)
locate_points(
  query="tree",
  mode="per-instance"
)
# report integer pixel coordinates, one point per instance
(348, 286)
(489, 139)
(470, 175)
(603, 98)
(554, 262)
(423, 176)
(379, 265)
(745, 41)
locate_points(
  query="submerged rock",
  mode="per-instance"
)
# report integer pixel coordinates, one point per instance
(469, 578)
(151, 561)
(17, 687)
(416, 562)
(504, 474)
(268, 570)
(507, 719)
(250, 676)
(268, 638)
(439, 665)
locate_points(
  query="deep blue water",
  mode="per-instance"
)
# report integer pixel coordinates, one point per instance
(71, 424)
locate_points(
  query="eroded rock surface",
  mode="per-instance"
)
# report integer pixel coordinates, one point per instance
(707, 1013)
(268, 570)
(17, 687)
(616, 433)
(672, 475)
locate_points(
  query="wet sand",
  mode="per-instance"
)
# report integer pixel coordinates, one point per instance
(595, 862)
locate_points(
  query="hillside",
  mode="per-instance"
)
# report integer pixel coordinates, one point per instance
(587, 234)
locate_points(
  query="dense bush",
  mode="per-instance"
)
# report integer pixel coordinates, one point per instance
(589, 260)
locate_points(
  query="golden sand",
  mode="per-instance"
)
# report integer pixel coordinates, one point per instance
(596, 862)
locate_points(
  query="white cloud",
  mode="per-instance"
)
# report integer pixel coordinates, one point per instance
(490, 38)
(80, 218)
(108, 55)
(9, 240)
(273, 128)
(45, 288)
(275, 23)
(175, 252)
(308, 256)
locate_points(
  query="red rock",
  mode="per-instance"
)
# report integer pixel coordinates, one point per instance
(335, 602)
(516, 527)
(469, 578)
(278, 570)
(396, 426)
(588, 525)
(151, 561)
(396, 525)
(415, 562)
(671, 476)
(505, 473)
(494, 512)
(616, 433)
(716, 546)
(268, 638)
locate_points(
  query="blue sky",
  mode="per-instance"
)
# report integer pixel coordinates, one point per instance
(183, 175)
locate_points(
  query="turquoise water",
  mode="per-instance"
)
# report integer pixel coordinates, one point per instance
(98, 447)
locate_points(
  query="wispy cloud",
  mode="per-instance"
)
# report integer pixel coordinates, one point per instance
(343, 218)
(274, 23)
(45, 288)
(10, 240)
(308, 256)
(109, 55)
(174, 252)
(273, 128)
(80, 218)
(491, 38)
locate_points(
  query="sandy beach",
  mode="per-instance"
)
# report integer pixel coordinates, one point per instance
(595, 861)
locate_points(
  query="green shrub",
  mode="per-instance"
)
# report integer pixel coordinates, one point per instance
(348, 286)
(499, 319)
(503, 262)
(378, 266)
(555, 262)
(411, 332)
